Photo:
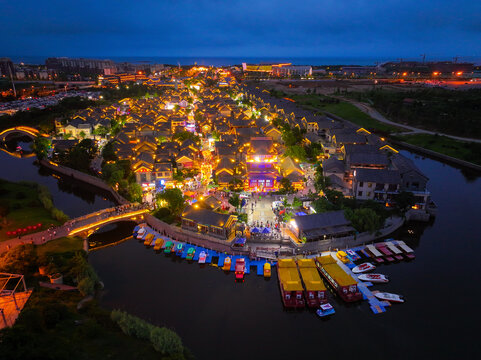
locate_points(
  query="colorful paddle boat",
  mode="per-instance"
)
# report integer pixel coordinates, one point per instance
(168, 247)
(227, 264)
(202, 257)
(267, 270)
(158, 244)
(325, 310)
(190, 253)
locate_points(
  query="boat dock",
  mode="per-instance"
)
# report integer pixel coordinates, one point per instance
(211, 254)
(377, 306)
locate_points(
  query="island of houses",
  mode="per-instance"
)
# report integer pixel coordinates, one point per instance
(211, 141)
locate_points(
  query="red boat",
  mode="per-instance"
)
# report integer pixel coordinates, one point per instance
(290, 284)
(240, 267)
(315, 290)
(384, 250)
(342, 282)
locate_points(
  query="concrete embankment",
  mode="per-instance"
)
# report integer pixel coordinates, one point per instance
(86, 178)
(190, 237)
(351, 241)
(436, 155)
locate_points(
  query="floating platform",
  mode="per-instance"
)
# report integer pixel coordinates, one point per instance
(375, 304)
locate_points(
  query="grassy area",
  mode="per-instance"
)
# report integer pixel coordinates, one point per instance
(21, 207)
(344, 110)
(61, 245)
(444, 145)
(53, 329)
(440, 110)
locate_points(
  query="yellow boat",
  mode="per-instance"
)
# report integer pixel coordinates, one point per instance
(342, 256)
(227, 264)
(267, 269)
(148, 239)
(158, 244)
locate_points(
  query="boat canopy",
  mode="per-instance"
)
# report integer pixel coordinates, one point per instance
(311, 279)
(290, 280)
(286, 263)
(372, 249)
(329, 264)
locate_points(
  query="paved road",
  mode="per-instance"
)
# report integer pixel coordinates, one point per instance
(412, 130)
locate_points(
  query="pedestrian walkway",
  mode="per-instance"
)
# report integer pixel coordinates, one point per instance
(77, 225)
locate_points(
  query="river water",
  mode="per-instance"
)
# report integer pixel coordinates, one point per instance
(218, 318)
(74, 198)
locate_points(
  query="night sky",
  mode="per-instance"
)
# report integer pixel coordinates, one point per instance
(303, 28)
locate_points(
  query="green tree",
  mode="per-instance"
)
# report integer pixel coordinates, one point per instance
(174, 199)
(134, 192)
(160, 139)
(296, 203)
(404, 201)
(101, 131)
(364, 219)
(40, 146)
(215, 135)
(234, 200)
(297, 152)
(108, 152)
(285, 186)
(184, 135)
(322, 205)
(166, 342)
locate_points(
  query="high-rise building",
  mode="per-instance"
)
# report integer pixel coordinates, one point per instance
(6, 67)
(81, 65)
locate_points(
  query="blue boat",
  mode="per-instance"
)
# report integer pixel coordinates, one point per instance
(325, 310)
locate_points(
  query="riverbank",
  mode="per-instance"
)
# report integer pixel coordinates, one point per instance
(23, 206)
(442, 147)
(50, 323)
(226, 307)
(86, 178)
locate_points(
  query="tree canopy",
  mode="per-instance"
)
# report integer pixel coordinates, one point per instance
(364, 219)
(174, 199)
(40, 146)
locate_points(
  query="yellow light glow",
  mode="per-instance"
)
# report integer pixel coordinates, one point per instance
(104, 221)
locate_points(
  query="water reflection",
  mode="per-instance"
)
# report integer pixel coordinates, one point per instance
(71, 196)
(213, 314)
(111, 233)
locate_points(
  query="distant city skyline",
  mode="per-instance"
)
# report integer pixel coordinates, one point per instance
(186, 28)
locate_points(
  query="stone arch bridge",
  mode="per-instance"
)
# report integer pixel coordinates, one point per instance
(82, 226)
(93, 222)
(22, 130)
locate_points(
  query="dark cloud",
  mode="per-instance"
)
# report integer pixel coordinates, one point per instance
(241, 28)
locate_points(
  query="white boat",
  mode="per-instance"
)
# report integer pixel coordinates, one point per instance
(140, 233)
(364, 267)
(374, 278)
(389, 297)
(202, 257)
(325, 310)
